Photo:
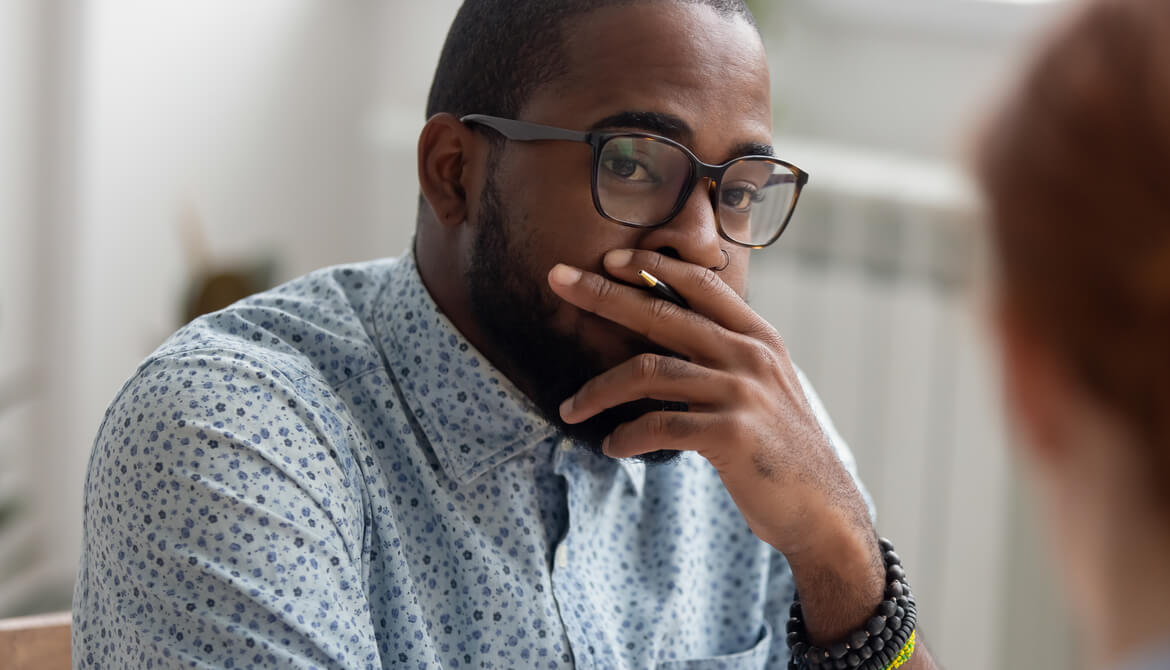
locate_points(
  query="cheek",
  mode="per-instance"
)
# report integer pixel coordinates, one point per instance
(737, 271)
(548, 183)
(556, 215)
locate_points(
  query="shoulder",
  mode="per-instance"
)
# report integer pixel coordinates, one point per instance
(230, 424)
(260, 379)
(319, 324)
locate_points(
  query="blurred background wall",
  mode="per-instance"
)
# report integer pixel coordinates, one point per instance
(143, 141)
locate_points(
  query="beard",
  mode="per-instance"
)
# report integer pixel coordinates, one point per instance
(517, 315)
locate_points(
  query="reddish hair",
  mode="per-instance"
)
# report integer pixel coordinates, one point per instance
(1075, 167)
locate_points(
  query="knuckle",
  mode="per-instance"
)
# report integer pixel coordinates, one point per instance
(646, 366)
(664, 426)
(781, 345)
(739, 392)
(773, 339)
(660, 310)
(603, 290)
(654, 261)
(655, 426)
(760, 356)
(733, 426)
(660, 426)
(707, 281)
(673, 368)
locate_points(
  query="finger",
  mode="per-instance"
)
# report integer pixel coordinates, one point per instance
(649, 376)
(680, 330)
(706, 292)
(655, 431)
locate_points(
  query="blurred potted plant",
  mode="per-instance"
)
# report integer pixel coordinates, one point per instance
(18, 555)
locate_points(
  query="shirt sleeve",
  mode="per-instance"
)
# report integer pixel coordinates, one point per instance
(223, 526)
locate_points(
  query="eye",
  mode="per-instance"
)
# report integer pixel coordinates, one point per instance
(740, 198)
(629, 169)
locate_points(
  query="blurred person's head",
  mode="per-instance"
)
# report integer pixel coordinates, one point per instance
(1074, 166)
(498, 215)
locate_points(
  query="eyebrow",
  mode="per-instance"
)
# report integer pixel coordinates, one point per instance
(753, 149)
(658, 123)
(673, 127)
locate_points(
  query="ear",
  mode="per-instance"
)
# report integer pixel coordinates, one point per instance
(446, 152)
(1038, 393)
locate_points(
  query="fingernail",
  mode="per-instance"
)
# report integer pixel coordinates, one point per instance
(619, 258)
(564, 275)
(605, 445)
(566, 407)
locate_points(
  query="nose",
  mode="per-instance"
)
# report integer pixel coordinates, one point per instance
(692, 235)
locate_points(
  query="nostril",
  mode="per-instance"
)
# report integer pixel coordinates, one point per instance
(670, 251)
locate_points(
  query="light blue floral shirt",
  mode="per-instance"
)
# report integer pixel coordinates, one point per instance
(327, 475)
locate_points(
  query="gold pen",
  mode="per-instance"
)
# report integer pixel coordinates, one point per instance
(662, 289)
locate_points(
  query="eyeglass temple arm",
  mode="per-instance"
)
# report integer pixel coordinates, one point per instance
(524, 131)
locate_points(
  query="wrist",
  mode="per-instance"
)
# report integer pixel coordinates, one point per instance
(885, 641)
(839, 574)
(835, 533)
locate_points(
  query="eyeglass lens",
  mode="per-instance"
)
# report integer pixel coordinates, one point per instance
(640, 179)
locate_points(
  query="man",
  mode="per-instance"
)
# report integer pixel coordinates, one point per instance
(429, 461)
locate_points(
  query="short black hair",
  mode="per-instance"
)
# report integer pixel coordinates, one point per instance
(498, 52)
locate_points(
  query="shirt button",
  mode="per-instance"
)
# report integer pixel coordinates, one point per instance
(562, 556)
(566, 444)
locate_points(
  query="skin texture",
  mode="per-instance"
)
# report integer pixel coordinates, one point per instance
(577, 271)
(516, 311)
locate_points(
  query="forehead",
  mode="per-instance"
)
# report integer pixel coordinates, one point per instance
(681, 59)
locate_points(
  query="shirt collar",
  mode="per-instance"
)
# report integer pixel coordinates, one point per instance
(473, 416)
(635, 473)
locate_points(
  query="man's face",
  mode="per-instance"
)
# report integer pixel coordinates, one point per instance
(688, 74)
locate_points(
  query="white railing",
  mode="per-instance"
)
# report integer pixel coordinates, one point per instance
(868, 286)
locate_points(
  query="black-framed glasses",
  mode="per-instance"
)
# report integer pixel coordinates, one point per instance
(643, 180)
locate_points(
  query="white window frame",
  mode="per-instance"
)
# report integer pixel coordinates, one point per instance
(995, 19)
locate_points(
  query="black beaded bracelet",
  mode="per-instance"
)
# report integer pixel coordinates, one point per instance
(886, 640)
